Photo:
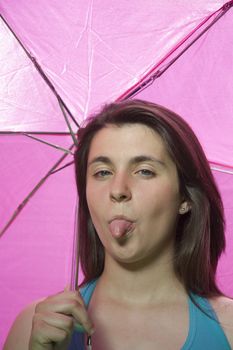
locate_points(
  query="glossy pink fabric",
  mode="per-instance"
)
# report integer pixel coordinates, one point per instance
(93, 52)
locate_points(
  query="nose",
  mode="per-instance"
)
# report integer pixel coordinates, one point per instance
(120, 189)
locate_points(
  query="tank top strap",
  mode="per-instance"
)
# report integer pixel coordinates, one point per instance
(205, 331)
(87, 291)
(192, 326)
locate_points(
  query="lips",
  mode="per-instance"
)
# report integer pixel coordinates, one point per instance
(120, 226)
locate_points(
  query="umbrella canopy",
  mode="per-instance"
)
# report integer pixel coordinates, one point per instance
(70, 58)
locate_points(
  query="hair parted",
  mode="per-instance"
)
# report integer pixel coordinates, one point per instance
(200, 239)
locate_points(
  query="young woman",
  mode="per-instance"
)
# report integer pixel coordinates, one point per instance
(151, 232)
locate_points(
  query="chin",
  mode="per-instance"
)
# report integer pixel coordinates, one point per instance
(129, 261)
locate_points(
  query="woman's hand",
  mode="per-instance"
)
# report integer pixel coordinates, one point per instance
(54, 320)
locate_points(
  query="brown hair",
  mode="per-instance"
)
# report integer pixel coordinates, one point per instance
(200, 238)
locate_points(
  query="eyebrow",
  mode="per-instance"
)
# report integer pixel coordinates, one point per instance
(133, 161)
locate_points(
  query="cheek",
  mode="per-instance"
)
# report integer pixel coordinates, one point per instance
(161, 199)
(91, 193)
(94, 202)
(97, 194)
(170, 194)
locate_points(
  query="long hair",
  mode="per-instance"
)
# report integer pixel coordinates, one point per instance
(199, 238)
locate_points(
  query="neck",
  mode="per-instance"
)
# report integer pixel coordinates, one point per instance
(150, 282)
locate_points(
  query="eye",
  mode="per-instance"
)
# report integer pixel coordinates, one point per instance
(146, 173)
(102, 174)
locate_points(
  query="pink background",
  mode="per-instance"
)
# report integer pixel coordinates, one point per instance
(93, 52)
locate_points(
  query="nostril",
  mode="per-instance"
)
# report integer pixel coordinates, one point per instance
(119, 197)
(122, 197)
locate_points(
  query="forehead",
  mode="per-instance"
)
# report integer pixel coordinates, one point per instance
(127, 140)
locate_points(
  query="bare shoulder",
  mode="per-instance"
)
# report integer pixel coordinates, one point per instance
(19, 334)
(223, 306)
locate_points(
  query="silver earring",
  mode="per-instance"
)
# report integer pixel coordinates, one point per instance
(182, 210)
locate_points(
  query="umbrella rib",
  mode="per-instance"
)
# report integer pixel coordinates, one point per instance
(33, 191)
(59, 133)
(222, 170)
(66, 119)
(63, 167)
(41, 72)
(48, 143)
(141, 85)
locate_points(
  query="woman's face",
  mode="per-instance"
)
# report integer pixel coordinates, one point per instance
(132, 192)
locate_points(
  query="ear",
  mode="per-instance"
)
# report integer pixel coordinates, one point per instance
(184, 207)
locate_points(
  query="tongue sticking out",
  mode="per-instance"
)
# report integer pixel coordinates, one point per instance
(120, 227)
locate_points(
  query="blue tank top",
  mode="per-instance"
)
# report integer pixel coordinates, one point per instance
(204, 332)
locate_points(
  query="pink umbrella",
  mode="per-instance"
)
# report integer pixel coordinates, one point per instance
(70, 58)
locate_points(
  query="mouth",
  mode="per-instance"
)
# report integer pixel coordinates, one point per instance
(120, 226)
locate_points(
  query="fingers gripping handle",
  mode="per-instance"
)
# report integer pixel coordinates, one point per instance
(79, 328)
